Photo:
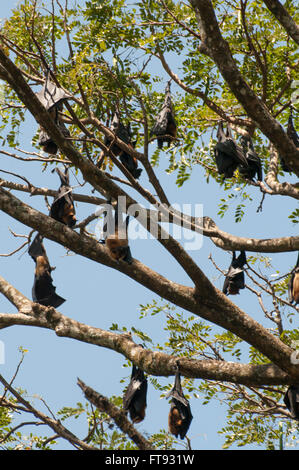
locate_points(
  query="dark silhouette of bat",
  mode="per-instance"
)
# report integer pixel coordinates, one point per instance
(235, 280)
(62, 208)
(134, 400)
(228, 155)
(254, 168)
(293, 287)
(116, 232)
(291, 400)
(123, 133)
(45, 141)
(180, 416)
(52, 97)
(43, 291)
(130, 162)
(292, 134)
(165, 127)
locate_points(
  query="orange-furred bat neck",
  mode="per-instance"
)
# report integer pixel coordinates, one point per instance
(68, 217)
(42, 265)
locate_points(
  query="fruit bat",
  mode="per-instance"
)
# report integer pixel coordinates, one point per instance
(165, 127)
(254, 167)
(121, 131)
(45, 141)
(228, 154)
(291, 400)
(124, 133)
(292, 134)
(43, 291)
(293, 286)
(180, 415)
(134, 400)
(234, 280)
(52, 97)
(116, 239)
(130, 163)
(62, 208)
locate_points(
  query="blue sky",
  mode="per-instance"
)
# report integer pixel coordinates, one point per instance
(99, 296)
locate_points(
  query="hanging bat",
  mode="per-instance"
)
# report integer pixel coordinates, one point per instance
(130, 162)
(121, 131)
(52, 97)
(292, 134)
(62, 208)
(293, 287)
(228, 154)
(254, 167)
(134, 400)
(165, 127)
(43, 291)
(291, 400)
(235, 280)
(180, 416)
(124, 133)
(45, 141)
(116, 239)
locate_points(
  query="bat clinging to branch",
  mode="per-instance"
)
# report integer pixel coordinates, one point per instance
(62, 208)
(134, 400)
(43, 291)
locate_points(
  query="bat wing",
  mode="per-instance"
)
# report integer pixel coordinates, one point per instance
(51, 95)
(134, 399)
(44, 292)
(240, 261)
(291, 400)
(165, 121)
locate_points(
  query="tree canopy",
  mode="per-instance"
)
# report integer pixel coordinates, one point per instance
(120, 69)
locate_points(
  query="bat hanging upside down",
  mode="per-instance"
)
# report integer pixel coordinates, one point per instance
(165, 127)
(254, 168)
(228, 154)
(62, 208)
(180, 416)
(52, 98)
(123, 133)
(291, 400)
(235, 279)
(116, 239)
(43, 291)
(134, 400)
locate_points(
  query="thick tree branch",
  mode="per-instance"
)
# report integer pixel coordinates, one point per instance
(284, 18)
(152, 362)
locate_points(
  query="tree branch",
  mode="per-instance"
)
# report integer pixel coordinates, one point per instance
(118, 416)
(284, 18)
